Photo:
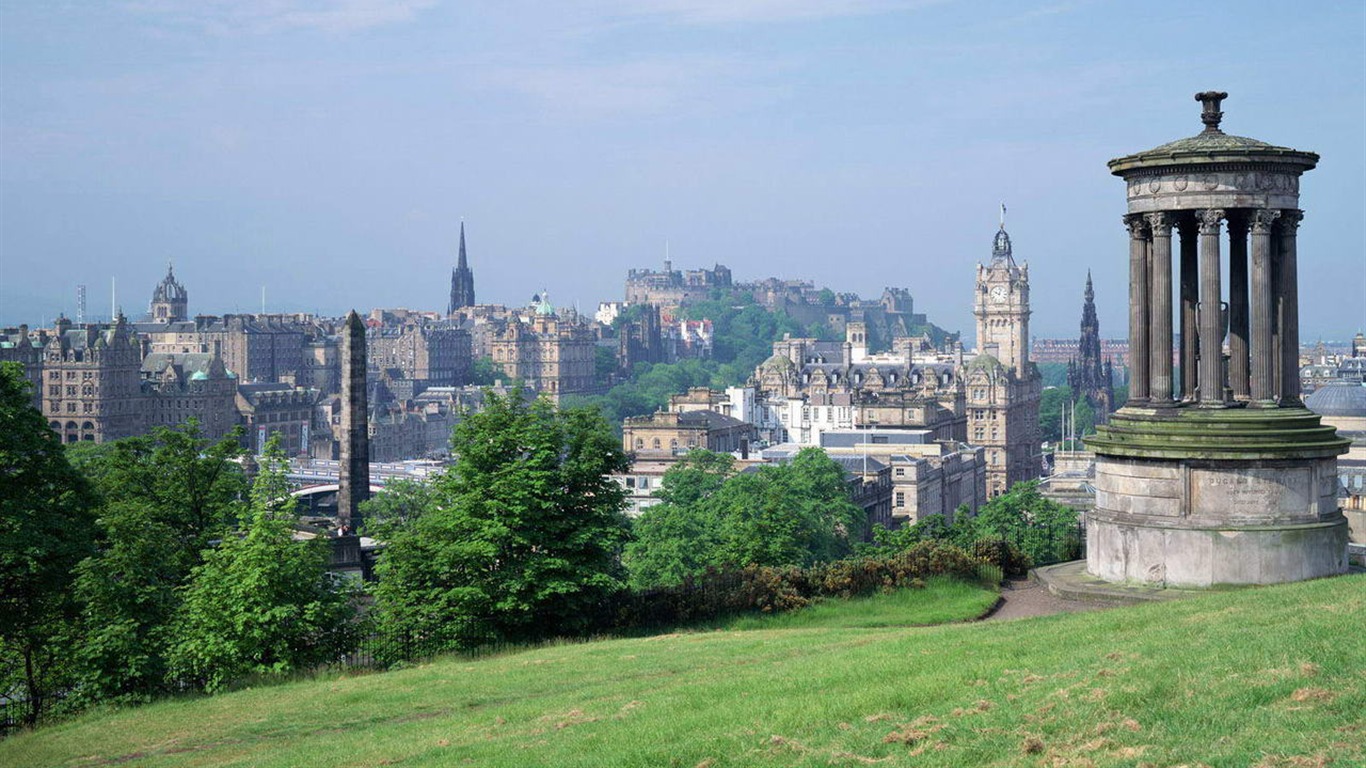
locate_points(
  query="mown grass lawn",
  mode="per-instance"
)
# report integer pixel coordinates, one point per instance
(1262, 677)
(943, 600)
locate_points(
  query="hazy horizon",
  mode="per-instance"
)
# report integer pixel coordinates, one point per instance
(329, 150)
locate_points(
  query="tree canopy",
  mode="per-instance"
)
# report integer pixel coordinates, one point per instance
(521, 539)
(46, 528)
(261, 602)
(797, 513)
(164, 497)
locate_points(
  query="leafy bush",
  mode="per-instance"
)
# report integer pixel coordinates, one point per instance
(770, 589)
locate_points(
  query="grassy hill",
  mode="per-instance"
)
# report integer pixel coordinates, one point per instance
(1265, 677)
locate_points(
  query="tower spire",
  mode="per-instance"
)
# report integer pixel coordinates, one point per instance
(462, 263)
(462, 279)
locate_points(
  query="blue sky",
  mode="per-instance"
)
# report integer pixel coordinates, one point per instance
(329, 149)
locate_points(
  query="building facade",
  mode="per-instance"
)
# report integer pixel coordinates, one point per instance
(92, 382)
(551, 355)
(1003, 385)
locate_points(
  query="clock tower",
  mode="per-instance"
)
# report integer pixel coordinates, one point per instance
(1003, 386)
(1002, 306)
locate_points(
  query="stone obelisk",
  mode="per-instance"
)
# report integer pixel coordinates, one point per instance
(355, 425)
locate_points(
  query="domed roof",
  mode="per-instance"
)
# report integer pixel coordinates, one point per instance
(777, 363)
(1212, 146)
(1340, 398)
(199, 376)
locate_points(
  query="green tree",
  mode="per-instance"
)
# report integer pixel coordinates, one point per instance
(796, 513)
(262, 603)
(485, 372)
(46, 528)
(523, 538)
(165, 496)
(399, 506)
(679, 536)
(1043, 529)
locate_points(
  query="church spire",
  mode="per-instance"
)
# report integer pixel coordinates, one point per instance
(462, 263)
(462, 280)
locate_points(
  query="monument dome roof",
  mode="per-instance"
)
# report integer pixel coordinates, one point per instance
(1212, 145)
(1338, 399)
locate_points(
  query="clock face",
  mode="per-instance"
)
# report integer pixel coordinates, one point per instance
(998, 294)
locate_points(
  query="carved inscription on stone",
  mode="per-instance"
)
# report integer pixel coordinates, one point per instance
(1251, 492)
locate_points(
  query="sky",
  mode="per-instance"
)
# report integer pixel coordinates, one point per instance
(328, 150)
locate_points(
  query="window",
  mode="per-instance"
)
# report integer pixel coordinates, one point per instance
(900, 498)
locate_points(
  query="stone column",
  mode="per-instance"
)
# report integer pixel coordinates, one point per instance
(1160, 309)
(1262, 385)
(1190, 299)
(1138, 308)
(354, 470)
(1237, 307)
(1211, 314)
(1289, 296)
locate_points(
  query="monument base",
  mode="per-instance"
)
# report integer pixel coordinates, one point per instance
(1194, 497)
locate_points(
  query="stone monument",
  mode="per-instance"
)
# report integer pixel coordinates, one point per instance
(1220, 475)
(354, 471)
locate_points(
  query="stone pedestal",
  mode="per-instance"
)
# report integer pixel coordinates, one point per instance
(1192, 497)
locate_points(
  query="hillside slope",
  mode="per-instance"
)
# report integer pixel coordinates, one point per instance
(1266, 677)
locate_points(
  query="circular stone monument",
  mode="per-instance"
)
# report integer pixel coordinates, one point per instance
(1220, 475)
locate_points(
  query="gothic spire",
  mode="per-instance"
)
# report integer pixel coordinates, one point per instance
(462, 280)
(462, 263)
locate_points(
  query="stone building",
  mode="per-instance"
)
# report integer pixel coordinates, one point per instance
(926, 476)
(641, 339)
(18, 345)
(1221, 476)
(196, 385)
(259, 348)
(551, 355)
(462, 281)
(1088, 375)
(269, 407)
(170, 302)
(808, 387)
(438, 353)
(1003, 386)
(670, 288)
(92, 382)
(674, 433)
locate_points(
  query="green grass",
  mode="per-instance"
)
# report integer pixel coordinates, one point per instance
(1261, 677)
(942, 601)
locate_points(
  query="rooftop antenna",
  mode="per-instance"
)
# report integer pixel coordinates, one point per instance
(263, 299)
(80, 305)
(113, 298)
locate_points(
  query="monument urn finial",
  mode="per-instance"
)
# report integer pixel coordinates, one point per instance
(1209, 113)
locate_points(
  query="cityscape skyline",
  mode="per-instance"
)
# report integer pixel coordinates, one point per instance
(330, 152)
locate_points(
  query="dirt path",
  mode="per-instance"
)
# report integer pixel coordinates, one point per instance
(1026, 597)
